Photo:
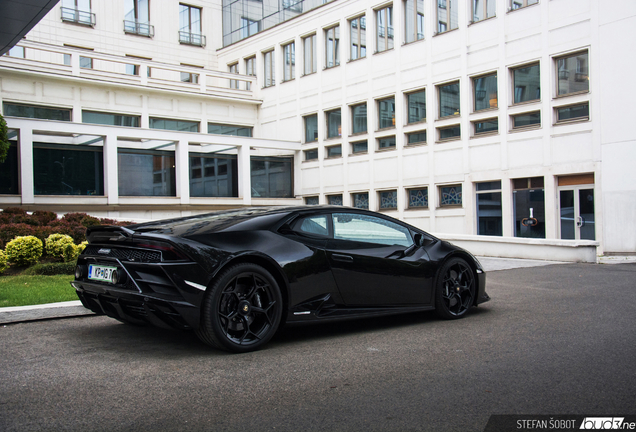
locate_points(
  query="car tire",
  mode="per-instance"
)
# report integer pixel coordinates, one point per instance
(455, 289)
(241, 310)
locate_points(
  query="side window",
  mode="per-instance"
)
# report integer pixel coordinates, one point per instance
(313, 225)
(370, 229)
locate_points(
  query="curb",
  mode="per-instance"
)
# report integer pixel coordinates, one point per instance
(18, 314)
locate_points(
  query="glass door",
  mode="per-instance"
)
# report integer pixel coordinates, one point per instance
(576, 207)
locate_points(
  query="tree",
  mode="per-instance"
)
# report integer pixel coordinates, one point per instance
(4, 139)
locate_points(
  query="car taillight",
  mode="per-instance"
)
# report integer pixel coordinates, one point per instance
(169, 252)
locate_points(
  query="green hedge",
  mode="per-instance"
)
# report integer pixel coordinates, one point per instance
(50, 269)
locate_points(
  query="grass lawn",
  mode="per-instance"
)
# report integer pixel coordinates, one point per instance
(32, 290)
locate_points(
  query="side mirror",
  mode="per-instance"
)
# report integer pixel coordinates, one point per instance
(418, 239)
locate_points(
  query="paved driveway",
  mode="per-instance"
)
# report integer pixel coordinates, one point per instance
(558, 339)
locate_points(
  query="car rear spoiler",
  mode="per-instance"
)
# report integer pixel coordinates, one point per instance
(108, 233)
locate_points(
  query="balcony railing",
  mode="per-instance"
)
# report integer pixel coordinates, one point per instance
(78, 16)
(139, 28)
(191, 38)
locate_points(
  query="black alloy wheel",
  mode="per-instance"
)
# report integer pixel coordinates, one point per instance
(455, 292)
(243, 309)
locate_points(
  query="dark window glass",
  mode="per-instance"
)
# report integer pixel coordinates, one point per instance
(485, 89)
(314, 225)
(418, 198)
(67, 169)
(449, 99)
(529, 213)
(37, 112)
(486, 126)
(334, 126)
(450, 195)
(311, 128)
(417, 137)
(486, 186)
(334, 151)
(387, 142)
(450, 132)
(314, 200)
(174, 125)
(311, 154)
(573, 112)
(529, 119)
(223, 129)
(359, 118)
(527, 85)
(359, 147)
(388, 199)
(272, 177)
(361, 200)
(417, 106)
(489, 220)
(9, 179)
(386, 113)
(146, 172)
(573, 74)
(110, 119)
(219, 179)
(334, 200)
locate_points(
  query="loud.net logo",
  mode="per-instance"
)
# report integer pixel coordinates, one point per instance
(607, 423)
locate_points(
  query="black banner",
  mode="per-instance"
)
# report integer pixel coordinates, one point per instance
(559, 422)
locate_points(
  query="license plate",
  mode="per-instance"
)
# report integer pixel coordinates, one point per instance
(100, 273)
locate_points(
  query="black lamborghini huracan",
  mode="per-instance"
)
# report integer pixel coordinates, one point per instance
(236, 276)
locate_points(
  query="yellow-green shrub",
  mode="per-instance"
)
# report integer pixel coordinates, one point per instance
(3, 261)
(57, 245)
(24, 250)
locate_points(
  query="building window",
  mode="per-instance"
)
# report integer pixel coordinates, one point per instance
(334, 151)
(146, 172)
(110, 119)
(250, 70)
(233, 68)
(289, 54)
(450, 195)
(310, 54)
(418, 198)
(489, 220)
(174, 125)
(268, 64)
(448, 95)
(17, 52)
(358, 36)
(418, 137)
(448, 133)
(249, 27)
(416, 106)
(332, 47)
(483, 9)
(213, 175)
(572, 74)
(413, 20)
(573, 112)
(360, 200)
(386, 113)
(386, 142)
(78, 12)
(518, 4)
(388, 199)
(486, 126)
(86, 62)
(36, 112)
(311, 128)
(60, 169)
(528, 202)
(9, 177)
(188, 77)
(485, 92)
(137, 18)
(311, 154)
(132, 69)
(359, 147)
(526, 83)
(447, 15)
(190, 25)
(526, 120)
(312, 200)
(225, 129)
(272, 177)
(334, 125)
(384, 29)
(334, 200)
(359, 118)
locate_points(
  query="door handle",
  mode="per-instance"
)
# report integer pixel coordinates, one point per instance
(343, 258)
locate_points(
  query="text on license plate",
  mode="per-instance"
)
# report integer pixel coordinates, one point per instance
(100, 273)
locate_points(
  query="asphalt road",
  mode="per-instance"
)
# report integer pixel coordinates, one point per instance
(559, 339)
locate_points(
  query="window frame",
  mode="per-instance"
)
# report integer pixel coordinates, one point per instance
(557, 71)
(417, 132)
(191, 30)
(328, 125)
(306, 198)
(269, 68)
(250, 69)
(439, 87)
(450, 6)
(415, 35)
(484, 11)
(440, 204)
(488, 191)
(233, 68)
(525, 127)
(439, 130)
(408, 106)
(558, 121)
(524, 4)
(353, 199)
(305, 117)
(335, 50)
(307, 152)
(473, 80)
(328, 150)
(485, 133)
(379, 197)
(353, 119)
(334, 197)
(379, 118)
(408, 198)
(289, 67)
(513, 70)
(359, 152)
(389, 34)
(361, 46)
(314, 54)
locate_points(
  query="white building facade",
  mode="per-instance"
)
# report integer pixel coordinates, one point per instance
(490, 123)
